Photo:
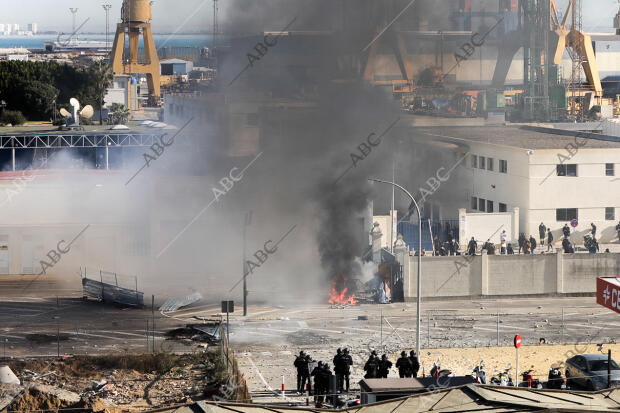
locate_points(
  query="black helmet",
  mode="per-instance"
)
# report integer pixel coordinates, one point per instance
(302, 353)
(384, 356)
(403, 353)
(339, 350)
(345, 351)
(320, 364)
(374, 353)
(412, 352)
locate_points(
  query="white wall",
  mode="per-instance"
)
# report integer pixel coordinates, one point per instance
(591, 191)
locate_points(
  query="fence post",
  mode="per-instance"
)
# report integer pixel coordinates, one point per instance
(428, 331)
(562, 337)
(497, 328)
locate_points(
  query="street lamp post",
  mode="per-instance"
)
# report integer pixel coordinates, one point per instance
(107, 8)
(419, 300)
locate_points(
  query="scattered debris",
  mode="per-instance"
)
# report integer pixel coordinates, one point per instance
(207, 332)
(173, 304)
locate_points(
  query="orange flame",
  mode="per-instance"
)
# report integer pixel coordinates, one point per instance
(341, 297)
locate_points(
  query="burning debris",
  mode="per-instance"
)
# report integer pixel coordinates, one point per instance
(341, 293)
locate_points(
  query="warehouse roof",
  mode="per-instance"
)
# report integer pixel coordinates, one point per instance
(524, 137)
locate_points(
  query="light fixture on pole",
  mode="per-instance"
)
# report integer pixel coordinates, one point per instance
(419, 299)
(74, 11)
(107, 8)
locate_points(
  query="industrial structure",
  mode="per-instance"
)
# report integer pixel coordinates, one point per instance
(135, 22)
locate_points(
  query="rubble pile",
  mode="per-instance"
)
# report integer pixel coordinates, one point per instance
(111, 383)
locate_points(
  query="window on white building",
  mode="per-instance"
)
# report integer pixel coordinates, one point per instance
(482, 162)
(567, 169)
(474, 161)
(502, 207)
(489, 206)
(503, 166)
(609, 169)
(610, 214)
(489, 164)
(481, 203)
(566, 214)
(474, 203)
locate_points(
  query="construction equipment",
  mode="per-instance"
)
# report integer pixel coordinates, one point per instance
(578, 44)
(135, 21)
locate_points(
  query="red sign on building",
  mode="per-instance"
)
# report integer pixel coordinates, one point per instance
(608, 292)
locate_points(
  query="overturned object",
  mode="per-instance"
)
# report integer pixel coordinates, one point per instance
(112, 293)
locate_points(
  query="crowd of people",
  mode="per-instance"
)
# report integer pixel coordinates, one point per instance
(528, 245)
(375, 367)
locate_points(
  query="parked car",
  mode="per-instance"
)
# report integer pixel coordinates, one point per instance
(590, 371)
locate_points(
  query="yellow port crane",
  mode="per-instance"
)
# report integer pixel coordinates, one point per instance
(135, 21)
(578, 41)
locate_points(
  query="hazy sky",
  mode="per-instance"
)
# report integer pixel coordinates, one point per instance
(195, 15)
(55, 15)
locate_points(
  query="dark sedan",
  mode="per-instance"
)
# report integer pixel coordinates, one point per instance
(590, 371)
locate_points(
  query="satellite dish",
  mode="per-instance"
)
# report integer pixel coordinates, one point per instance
(65, 113)
(87, 112)
(75, 103)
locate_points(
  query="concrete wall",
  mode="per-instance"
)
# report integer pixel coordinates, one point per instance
(508, 275)
(483, 226)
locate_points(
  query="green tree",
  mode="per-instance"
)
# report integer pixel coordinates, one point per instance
(38, 99)
(119, 114)
(102, 76)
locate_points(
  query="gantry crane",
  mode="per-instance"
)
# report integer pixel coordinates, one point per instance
(135, 21)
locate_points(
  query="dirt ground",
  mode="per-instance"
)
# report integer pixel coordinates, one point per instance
(127, 382)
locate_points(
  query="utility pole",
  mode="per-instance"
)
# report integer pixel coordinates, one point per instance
(107, 8)
(247, 221)
(74, 11)
(392, 208)
(216, 27)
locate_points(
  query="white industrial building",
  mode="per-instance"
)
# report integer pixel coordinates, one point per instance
(551, 176)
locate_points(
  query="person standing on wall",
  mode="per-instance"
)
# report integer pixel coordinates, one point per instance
(533, 244)
(521, 242)
(549, 240)
(542, 231)
(502, 239)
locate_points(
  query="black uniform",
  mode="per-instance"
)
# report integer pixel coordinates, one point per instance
(549, 239)
(566, 245)
(305, 378)
(542, 230)
(324, 375)
(384, 367)
(372, 367)
(316, 373)
(403, 364)
(339, 369)
(521, 241)
(300, 364)
(347, 362)
(566, 231)
(509, 249)
(471, 247)
(415, 364)
(532, 243)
